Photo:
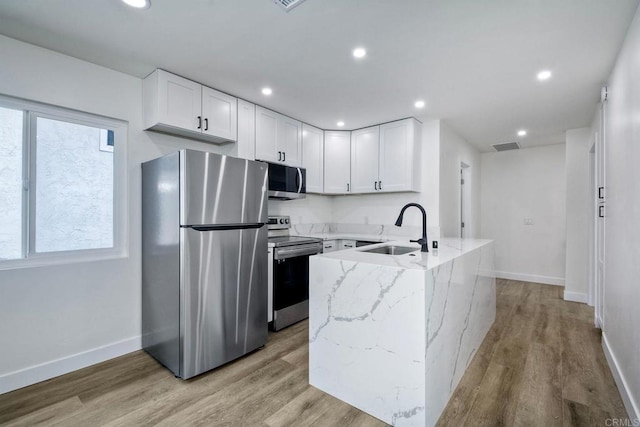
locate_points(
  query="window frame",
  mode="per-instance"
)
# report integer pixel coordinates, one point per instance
(31, 111)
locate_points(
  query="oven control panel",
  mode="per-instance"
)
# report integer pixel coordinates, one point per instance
(279, 222)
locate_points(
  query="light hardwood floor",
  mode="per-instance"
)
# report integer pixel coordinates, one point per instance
(540, 365)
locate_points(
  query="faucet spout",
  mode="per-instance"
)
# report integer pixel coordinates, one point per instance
(423, 241)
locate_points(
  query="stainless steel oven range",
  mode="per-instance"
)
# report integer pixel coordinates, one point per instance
(289, 278)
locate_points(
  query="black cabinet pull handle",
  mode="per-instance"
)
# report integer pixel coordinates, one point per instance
(279, 155)
(199, 122)
(375, 185)
(380, 185)
(601, 211)
(206, 124)
(600, 192)
(347, 187)
(284, 156)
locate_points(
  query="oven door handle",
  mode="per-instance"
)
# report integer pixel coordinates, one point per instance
(295, 251)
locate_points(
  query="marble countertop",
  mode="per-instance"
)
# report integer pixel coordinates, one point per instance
(449, 248)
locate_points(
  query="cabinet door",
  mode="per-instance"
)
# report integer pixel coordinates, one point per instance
(329, 246)
(347, 244)
(337, 162)
(290, 140)
(179, 101)
(313, 157)
(219, 114)
(396, 155)
(267, 135)
(364, 159)
(246, 130)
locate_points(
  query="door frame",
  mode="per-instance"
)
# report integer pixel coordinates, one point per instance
(465, 201)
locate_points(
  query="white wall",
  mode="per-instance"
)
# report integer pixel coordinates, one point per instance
(453, 151)
(72, 315)
(621, 331)
(384, 208)
(578, 144)
(527, 183)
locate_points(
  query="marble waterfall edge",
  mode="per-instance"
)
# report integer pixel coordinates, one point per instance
(393, 341)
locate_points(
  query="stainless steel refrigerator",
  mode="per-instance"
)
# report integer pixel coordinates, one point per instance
(204, 259)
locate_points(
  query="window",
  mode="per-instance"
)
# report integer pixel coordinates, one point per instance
(60, 191)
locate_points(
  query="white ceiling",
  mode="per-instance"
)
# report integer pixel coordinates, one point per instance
(473, 62)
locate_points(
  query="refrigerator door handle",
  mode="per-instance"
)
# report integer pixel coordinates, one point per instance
(223, 227)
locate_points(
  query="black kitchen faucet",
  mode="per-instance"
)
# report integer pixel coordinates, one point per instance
(424, 243)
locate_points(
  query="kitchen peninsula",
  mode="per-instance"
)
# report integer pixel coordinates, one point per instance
(393, 334)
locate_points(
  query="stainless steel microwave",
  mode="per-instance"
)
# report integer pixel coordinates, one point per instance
(286, 182)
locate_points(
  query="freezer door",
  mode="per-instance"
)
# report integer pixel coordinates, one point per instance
(224, 296)
(217, 189)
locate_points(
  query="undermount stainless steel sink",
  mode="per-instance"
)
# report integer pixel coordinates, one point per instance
(391, 250)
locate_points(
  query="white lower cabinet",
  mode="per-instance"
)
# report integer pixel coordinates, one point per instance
(313, 157)
(337, 245)
(347, 244)
(337, 162)
(329, 246)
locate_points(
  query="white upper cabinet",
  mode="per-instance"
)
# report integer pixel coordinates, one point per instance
(178, 102)
(278, 138)
(337, 162)
(290, 140)
(386, 158)
(246, 130)
(219, 114)
(399, 156)
(179, 106)
(313, 157)
(267, 135)
(365, 145)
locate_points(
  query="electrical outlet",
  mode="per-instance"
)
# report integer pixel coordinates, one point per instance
(528, 221)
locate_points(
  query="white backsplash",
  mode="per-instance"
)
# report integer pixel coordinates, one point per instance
(385, 232)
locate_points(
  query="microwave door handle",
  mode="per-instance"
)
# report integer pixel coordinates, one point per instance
(299, 178)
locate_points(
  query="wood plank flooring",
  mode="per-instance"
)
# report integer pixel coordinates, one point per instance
(540, 365)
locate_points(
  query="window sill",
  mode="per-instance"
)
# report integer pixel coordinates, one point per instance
(62, 259)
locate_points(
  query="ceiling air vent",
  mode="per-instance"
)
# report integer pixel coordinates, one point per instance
(287, 5)
(506, 146)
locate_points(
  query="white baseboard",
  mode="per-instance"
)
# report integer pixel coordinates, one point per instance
(576, 297)
(530, 278)
(629, 403)
(35, 374)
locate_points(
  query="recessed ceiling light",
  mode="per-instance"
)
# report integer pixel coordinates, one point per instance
(522, 132)
(267, 91)
(340, 124)
(544, 75)
(359, 52)
(419, 104)
(138, 4)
